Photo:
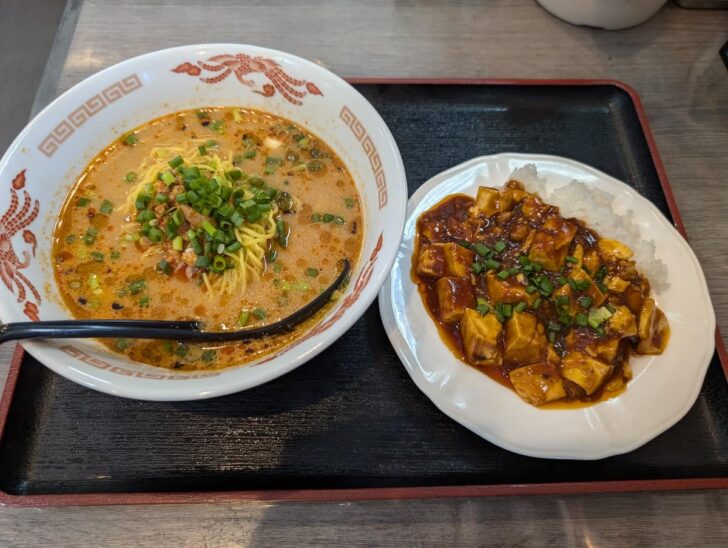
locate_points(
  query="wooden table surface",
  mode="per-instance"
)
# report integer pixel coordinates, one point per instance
(673, 63)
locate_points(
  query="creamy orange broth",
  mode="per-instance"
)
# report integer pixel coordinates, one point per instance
(99, 277)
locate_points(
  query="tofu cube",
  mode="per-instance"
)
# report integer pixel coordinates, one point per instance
(533, 208)
(509, 290)
(431, 261)
(622, 322)
(454, 295)
(604, 349)
(585, 371)
(524, 341)
(612, 249)
(490, 201)
(653, 329)
(616, 284)
(537, 383)
(486, 201)
(551, 243)
(480, 336)
(458, 260)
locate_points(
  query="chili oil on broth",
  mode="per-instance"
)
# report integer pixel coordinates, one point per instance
(102, 273)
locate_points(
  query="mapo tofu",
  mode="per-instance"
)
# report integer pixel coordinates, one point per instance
(541, 303)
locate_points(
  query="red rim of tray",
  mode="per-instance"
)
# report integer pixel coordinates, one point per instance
(381, 493)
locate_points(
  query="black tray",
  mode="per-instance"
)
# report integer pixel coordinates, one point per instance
(351, 419)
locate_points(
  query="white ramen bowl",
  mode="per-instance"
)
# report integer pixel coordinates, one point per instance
(42, 164)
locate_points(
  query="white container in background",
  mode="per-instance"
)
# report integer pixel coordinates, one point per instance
(605, 14)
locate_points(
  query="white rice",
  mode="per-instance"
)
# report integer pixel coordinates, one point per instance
(596, 208)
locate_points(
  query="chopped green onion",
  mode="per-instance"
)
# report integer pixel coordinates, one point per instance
(586, 301)
(178, 243)
(155, 235)
(482, 249)
(316, 217)
(106, 207)
(499, 312)
(537, 303)
(315, 166)
(164, 267)
(93, 281)
(175, 162)
(243, 318)
(560, 281)
(603, 288)
(597, 316)
(327, 217)
(546, 285)
(131, 140)
(570, 259)
(499, 246)
(312, 272)
(482, 308)
(130, 177)
(283, 232)
(144, 301)
(299, 167)
(583, 285)
(531, 289)
(115, 255)
(167, 178)
(477, 268)
(160, 198)
(520, 307)
(209, 228)
(581, 319)
(83, 202)
(503, 274)
(562, 300)
(190, 172)
(552, 336)
(507, 310)
(218, 263)
(90, 236)
(349, 202)
(97, 256)
(202, 262)
(122, 344)
(137, 286)
(491, 264)
(259, 313)
(234, 174)
(203, 151)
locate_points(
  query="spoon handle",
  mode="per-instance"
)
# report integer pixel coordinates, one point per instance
(162, 329)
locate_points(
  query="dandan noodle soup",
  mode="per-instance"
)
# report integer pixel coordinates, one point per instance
(234, 217)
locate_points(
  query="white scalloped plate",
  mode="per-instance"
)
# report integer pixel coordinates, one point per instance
(664, 387)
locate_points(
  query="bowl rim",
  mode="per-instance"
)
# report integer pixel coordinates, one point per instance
(225, 383)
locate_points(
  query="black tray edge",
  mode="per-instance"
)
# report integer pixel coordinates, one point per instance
(382, 493)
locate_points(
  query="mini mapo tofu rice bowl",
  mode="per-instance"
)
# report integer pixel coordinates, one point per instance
(219, 183)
